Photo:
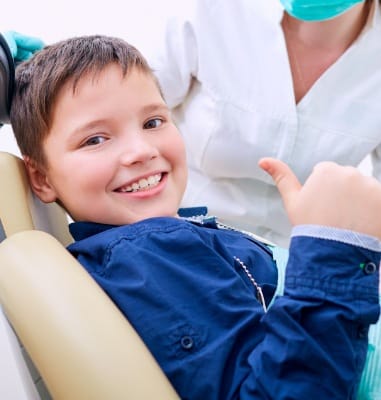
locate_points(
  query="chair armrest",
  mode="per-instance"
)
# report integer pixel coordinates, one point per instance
(82, 345)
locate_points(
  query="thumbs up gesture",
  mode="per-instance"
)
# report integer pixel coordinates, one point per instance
(333, 196)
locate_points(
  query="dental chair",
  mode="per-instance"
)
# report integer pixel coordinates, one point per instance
(80, 343)
(55, 321)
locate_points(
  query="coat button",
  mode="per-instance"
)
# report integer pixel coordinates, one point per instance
(186, 342)
(370, 268)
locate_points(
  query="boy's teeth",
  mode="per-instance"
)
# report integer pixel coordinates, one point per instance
(143, 184)
(151, 180)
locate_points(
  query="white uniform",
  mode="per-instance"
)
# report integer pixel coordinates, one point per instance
(226, 72)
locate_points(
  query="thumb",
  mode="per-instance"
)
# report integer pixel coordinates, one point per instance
(285, 180)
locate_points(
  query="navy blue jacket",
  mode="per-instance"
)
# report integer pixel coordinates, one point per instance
(197, 309)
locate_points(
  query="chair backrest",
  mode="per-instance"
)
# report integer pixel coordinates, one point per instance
(20, 210)
(81, 344)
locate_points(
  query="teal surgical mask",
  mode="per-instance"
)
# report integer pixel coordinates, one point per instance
(317, 10)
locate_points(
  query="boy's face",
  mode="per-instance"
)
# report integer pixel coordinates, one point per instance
(113, 154)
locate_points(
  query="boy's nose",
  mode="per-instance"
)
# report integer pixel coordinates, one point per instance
(138, 151)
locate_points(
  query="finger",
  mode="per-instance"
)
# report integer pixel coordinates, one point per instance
(11, 42)
(285, 180)
(28, 42)
(23, 55)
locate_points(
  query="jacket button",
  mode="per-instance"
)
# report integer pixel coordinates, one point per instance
(370, 268)
(186, 342)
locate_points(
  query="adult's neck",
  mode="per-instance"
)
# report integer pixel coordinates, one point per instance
(335, 33)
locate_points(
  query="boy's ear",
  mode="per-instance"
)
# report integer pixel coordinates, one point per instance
(39, 181)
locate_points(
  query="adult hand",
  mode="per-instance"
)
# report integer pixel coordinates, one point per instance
(22, 47)
(332, 196)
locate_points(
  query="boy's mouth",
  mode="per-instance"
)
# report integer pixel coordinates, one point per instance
(142, 184)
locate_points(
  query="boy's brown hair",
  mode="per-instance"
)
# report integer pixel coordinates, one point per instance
(39, 80)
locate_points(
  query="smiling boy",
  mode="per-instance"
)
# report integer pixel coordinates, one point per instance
(97, 137)
(104, 134)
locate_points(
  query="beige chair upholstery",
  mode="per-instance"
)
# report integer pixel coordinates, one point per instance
(20, 210)
(81, 344)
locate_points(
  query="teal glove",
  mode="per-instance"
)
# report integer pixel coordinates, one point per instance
(22, 47)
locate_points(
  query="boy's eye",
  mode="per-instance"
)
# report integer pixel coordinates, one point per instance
(94, 140)
(153, 123)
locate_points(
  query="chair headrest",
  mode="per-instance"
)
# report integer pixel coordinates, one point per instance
(20, 210)
(7, 79)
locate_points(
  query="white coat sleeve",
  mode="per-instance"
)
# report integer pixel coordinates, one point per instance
(175, 63)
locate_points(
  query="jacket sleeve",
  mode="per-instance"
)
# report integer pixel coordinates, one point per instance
(317, 332)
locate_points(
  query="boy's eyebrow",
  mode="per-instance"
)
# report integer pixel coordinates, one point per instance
(88, 125)
(154, 107)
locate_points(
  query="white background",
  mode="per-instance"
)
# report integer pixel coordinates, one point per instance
(140, 22)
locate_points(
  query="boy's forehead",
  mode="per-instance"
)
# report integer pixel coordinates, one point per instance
(94, 75)
(99, 88)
